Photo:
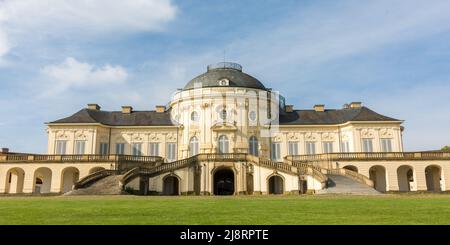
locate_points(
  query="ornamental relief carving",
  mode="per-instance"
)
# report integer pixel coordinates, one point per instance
(61, 135)
(327, 136)
(205, 105)
(292, 136)
(171, 137)
(345, 136)
(367, 133)
(80, 136)
(137, 138)
(277, 138)
(385, 133)
(154, 137)
(253, 133)
(193, 133)
(119, 138)
(310, 136)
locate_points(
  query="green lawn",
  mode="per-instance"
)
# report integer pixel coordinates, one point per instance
(386, 209)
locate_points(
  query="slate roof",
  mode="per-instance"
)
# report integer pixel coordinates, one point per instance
(153, 118)
(312, 117)
(117, 118)
(236, 77)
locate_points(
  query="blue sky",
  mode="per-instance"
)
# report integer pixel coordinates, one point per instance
(58, 55)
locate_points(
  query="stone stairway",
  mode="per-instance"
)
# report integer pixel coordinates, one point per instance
(338, 184)
(109, 185)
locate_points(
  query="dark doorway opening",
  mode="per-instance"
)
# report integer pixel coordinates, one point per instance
(171, 185)
(224, 182)
(275, 185)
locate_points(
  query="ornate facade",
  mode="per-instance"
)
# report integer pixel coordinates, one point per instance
(226, 133)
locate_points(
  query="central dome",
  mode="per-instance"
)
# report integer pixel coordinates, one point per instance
(224, 74)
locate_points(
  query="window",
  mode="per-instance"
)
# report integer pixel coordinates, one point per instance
(193, 146)
(367, 145)
(275, 152)
(386, 145)
(61, 147)
(292, 148)
(345, 146)
(136, 149)
(103, 148)
(171, 151)
(194, 116)
(223, 144)
(224, 82)
(79, 146)
(154, 149)
(328, 147)
(120, 148)
(253, 146)
(310, 147)
(223, 114)
(252, 116)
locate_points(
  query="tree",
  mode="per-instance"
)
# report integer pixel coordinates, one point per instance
(446, 148)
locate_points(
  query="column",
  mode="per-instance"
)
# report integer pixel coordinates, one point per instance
(55, 185)
(420, 178)
(392, 178)
(3, 179)
(28, 183)
(257, 180)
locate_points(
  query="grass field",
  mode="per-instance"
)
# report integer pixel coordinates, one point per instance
(386, 209)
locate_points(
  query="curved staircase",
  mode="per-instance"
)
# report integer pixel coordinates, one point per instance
(341, 184)
(112, 182)
(109, 185)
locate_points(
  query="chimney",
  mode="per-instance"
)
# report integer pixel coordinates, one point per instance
(355, 105)
(289, 108)
(160, 108)
(93, 107)
(319, 107)
(5, 150)
(126, 109)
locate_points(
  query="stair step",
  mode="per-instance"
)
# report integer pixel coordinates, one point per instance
(109, 185)
(338, 184)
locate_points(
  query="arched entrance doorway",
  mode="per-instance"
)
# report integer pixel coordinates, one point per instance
(378, 175)
(224, 182)
(276, 185)
(69, 175)
(15, 180)
(171, 186)
(351, 168)
(433, 178)
(405, 177)
(42, 180)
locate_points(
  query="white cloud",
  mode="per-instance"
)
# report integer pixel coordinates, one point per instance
(4, 43)
(74, 74)
(321, 33)
(66, 18)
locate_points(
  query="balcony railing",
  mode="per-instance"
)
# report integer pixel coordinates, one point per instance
(362, 156)
(86, 158)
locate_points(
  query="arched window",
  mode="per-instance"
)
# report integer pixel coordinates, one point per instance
(194, 116)
(223, 144)
(193, 146)
(253, 146)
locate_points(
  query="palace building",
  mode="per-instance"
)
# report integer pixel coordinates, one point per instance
(225, 133)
